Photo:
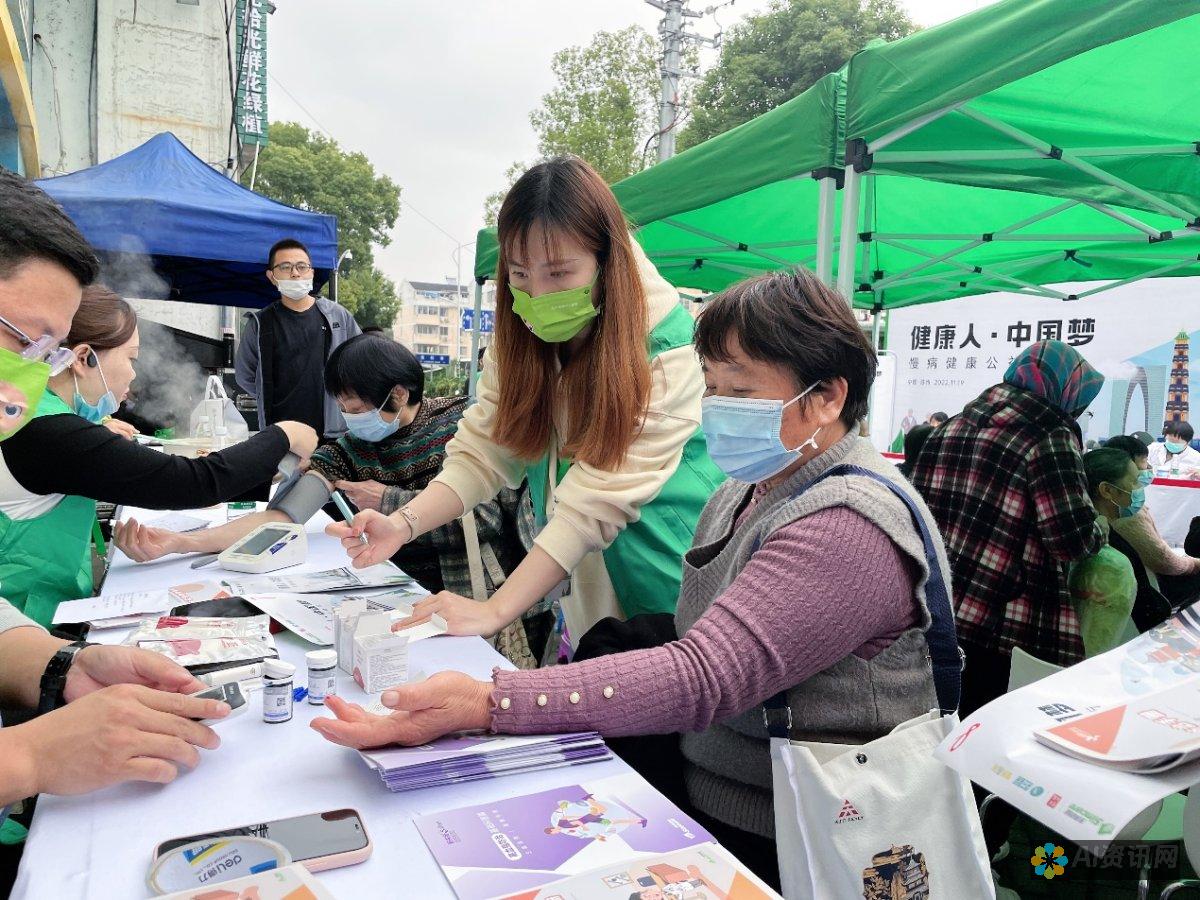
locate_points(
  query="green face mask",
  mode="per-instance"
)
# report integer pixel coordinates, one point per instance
(22, 383)
(556, 317)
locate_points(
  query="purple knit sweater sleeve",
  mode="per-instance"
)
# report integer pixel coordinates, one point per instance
(816, 591)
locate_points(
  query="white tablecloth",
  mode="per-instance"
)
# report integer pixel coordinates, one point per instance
(98, 846)
(1173, 504)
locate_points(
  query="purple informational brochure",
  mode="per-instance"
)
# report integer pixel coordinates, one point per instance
(523, 843)
(474, 757)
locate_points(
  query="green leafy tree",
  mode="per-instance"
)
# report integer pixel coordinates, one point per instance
(769, 58)
(308, 170)
(605, 104)
(370, 296)
(604, 108)
(491, 206)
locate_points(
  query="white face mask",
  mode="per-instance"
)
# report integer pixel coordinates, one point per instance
(294, 288)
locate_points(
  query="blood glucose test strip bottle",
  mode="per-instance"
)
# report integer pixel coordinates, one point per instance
(277, 691)
(322, 675)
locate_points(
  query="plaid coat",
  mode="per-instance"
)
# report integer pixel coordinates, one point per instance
(1005, 481)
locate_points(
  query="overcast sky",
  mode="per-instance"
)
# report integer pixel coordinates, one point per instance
(437, 94)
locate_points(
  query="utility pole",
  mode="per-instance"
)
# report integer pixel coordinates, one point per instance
(671, 30)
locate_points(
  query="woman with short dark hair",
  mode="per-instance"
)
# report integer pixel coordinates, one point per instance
(808, 578)
(394, 447)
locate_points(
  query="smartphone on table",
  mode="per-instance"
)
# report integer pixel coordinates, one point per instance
(319, 841)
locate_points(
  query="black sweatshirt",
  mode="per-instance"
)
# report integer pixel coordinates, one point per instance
(66, 454)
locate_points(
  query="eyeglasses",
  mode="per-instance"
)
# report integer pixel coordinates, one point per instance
(45, 349)
(287, 268)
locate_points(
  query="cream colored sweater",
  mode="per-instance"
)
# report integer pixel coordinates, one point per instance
(592, 505)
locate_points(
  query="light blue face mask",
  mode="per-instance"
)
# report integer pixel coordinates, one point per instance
(744, 436)
(1137, 499)
(1173, 447)
(1145, 477)
(104, 407)
(370, 426)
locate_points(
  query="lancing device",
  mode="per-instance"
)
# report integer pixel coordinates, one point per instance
(344, 508)
(227, 676)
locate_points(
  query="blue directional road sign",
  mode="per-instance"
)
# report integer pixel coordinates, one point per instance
(433, 359)
(487, 321)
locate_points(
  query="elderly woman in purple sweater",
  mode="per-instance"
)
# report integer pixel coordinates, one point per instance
(798, 581)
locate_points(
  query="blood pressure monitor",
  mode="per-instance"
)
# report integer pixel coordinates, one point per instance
(275, 545)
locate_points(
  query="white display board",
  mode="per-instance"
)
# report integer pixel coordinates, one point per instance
(1142, 336)
(883, 401)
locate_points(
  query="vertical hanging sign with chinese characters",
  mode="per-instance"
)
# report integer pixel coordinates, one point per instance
(949, 353)
(250, 111)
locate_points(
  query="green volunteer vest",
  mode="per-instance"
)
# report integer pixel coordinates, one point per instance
(46, 560)
(645, 562)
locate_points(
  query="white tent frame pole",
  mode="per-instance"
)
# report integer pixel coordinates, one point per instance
(1074, 162)
(875, 318)
(1122, 217)
(826, 201)
(1118, 254)
(849, 234)
(915, 125)
(1072, 238)
(990, 273)
(1156, 273)
(730, 267)
(903, 157)
(1153, 273)
(950, 254)
(733, 245)
(924, 156)
(864, 251)
(1021, 238)
(709, 249)
(476, 324)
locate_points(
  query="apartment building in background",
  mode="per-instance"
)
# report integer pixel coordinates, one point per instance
(430, 322)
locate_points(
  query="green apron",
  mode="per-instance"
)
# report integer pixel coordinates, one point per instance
(46, 560)
(645, 562)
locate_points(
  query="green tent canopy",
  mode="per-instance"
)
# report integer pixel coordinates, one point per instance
(1030, 143)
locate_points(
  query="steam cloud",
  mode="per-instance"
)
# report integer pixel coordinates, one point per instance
(169, 383)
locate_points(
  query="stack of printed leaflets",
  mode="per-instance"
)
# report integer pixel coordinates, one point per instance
(1087, 749)
(476, 757)
(1153, 733)
(610, 838)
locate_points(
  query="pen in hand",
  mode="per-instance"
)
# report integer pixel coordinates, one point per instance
(344, 508)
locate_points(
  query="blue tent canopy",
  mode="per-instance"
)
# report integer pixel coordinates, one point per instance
(205, 236)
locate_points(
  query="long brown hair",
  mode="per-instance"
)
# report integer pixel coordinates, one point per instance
(104, 320)
(606, 385)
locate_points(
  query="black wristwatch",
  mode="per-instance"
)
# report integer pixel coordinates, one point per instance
(54, 679)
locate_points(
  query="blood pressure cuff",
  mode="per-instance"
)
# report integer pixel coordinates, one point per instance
(300, 498)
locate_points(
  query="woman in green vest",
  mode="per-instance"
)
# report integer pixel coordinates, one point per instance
(592, 391)
(72, 454)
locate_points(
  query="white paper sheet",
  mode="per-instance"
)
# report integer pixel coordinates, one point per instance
(113, 606)
(344, 579)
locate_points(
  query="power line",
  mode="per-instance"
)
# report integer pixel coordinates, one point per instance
(328, 134)
(304, 108)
